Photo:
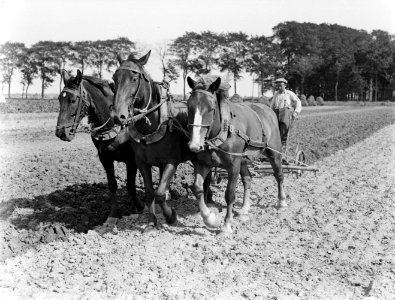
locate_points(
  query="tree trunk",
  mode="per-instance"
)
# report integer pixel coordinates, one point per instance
(100, 69)
(234, 80)
(42, 88)
(336, 84)
(9, 88)
(27, 87)
(376, 89)
(23, 90)
(371, 89)
(184, 77)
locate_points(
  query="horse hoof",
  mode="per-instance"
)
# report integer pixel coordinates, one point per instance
(106, 228)
(282, 204)
(172, 220)
(244, 218)
(149, 228)
(211, 221)
(225, 233)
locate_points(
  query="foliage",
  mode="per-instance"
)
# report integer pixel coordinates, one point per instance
(264, 59)
(169, 69)
(10, 55)
(233, 54)
(43, 57)
(182, 49)
(28, 69)
(207, 50)
(103, 54)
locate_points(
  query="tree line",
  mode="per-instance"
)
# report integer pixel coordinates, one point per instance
(327, 60)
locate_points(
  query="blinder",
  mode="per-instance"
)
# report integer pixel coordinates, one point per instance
(135, 70)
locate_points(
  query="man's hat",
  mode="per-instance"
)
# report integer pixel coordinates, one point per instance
(281, 80)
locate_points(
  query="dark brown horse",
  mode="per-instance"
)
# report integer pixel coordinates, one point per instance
(84, 95)
(228, 135)
(158, 138)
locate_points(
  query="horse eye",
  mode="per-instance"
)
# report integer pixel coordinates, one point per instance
(73, 100)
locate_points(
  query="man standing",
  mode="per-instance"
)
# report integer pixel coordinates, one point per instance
(287, 106)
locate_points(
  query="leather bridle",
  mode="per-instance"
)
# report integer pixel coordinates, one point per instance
(212, 100)
(142, 75)
(82, 108)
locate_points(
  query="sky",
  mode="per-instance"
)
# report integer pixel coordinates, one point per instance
(152, 22)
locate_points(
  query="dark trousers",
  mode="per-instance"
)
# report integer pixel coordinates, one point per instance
(284, 116)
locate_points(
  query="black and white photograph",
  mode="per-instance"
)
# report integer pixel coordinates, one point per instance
(197, 149)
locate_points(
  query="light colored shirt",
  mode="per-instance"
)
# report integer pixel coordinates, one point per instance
(286, 99)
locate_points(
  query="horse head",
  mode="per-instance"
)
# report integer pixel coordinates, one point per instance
(72, 106)
(130, 90)
(202, 112)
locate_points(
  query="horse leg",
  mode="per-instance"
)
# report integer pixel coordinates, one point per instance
(160, 193)
(230, 196)
(146, 173)
(208, 194)
(168, 195)
(201, 172)
(246, 179)
(115, 214)
(131, 171)
(275, 161)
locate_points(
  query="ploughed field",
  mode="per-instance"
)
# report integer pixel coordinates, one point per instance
(335, 240)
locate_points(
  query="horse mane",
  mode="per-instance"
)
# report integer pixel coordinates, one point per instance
(102, 85)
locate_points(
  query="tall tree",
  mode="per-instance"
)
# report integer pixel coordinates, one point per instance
(375, 59)
(62, 54)
(168, 67)
(79, 53)
(10, 55)
(43, 57)
(104, 53)
(233, 54)
(121, 45)
(207, 50)
(264, 59)
(29, 70)
(182, 49)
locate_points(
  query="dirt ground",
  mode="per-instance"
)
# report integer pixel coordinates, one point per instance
(336, 240)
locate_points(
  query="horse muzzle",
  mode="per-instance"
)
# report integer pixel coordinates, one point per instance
(64, 134)
(194, 147)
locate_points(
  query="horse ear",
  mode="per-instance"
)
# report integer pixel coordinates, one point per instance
(191, 82)
(143, 60)
(66, 76)
(215, 85)
(120, 58)
(78, 78)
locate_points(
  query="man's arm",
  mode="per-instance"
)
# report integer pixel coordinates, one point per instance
(297, 103)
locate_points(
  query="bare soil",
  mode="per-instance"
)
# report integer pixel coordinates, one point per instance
(336, 240)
